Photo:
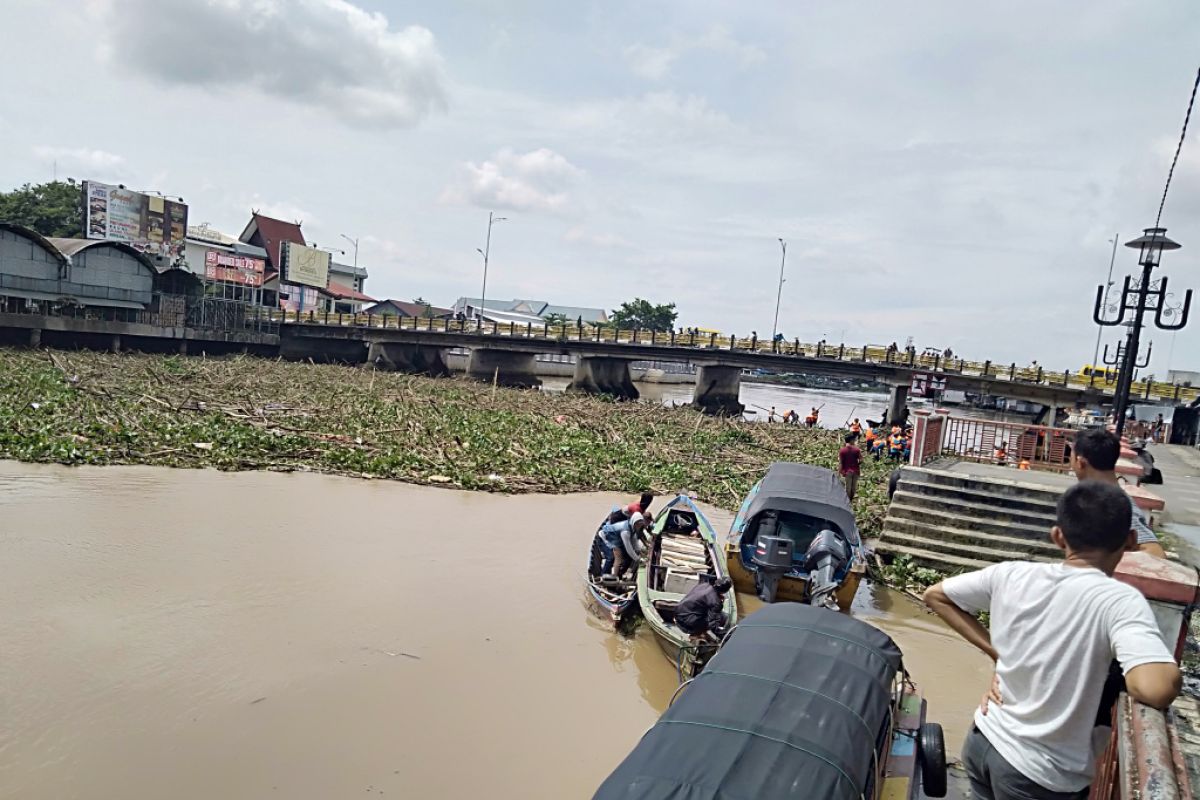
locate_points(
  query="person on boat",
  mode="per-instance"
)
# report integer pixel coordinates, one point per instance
(640, 506)
(699, 613)
(849, 465)
(1001, 455)
(1054, 631)
(622, 544)
(1094, 457)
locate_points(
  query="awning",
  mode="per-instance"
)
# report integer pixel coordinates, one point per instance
(341, 292)
(81, 301)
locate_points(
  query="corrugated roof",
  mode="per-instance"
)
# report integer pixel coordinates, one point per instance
(409, 309)
(72, 247)
(346, 293)
(30, 233)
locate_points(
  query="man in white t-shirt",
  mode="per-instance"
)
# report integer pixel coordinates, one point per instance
(1055, 628)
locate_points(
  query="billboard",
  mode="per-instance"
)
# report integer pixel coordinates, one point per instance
(233, 268)
(305, 265)
(149, 223)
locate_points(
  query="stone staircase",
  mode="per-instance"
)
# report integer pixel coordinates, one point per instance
(955, 522)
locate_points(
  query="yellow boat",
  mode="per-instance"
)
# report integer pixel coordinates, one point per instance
(795, 539)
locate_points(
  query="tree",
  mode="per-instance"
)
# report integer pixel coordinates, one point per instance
(554, 320)
(643, 314)
(428, 312)
(51, 209)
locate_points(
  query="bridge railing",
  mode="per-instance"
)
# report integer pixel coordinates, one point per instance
(874, 354)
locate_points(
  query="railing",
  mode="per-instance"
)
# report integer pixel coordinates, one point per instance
(1143, 759)
(883, 356)
(161, 310)
(1025, 446)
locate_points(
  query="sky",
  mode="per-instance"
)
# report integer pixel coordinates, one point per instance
(951, 172)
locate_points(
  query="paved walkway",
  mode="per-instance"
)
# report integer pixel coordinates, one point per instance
(1180, 467)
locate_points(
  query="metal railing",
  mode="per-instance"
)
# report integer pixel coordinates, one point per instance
(1023, 445)
(872, 354)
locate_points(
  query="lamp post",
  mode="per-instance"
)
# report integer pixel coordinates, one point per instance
(486, 252)
(779, 293)
(355, 243)
(1108, 282)
(1138, 298)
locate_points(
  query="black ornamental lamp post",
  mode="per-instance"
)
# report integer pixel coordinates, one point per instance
(1137, 298)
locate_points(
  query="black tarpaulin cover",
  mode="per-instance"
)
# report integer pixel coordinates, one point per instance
(804, 488)
(791, 707)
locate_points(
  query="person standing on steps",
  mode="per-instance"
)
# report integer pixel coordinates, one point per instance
(1094, 457)
(1054, 631)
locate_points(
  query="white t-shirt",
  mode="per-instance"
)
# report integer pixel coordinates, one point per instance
(1055, 629)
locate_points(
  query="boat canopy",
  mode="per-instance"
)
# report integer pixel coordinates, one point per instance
(794, 705)
(805, 489)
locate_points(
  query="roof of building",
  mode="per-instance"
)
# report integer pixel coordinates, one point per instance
(271, 233)
(30, 233)
(73, 247)
(538, 308)
(343, 292)
(204, 233)
(409, 309)
(348, 269)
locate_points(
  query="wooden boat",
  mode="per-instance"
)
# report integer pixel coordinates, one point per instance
(799, 702)
(613, 599)
(806, 505)
(683, 551)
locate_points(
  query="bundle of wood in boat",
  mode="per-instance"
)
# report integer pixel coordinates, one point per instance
(683, 554)
(611, 593)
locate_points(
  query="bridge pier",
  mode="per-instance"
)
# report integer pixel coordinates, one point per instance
(397, 357)
(717, 388)
(897, 410)
(504, 366)
(601, 375)
(35, 338)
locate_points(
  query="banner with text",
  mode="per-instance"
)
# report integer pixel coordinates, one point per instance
(149, 223)
(233, 268)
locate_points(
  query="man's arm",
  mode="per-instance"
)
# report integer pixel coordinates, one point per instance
(1153, 548)
(964, 624)
(1155, 685)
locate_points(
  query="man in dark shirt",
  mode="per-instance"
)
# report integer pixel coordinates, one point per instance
(849, 465)
(699, 612)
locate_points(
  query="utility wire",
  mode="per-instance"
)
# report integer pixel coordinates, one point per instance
(1178, 148)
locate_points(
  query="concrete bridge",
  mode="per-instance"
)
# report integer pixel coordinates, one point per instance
(506, 354)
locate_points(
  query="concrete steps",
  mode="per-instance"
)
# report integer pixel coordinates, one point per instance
(953, 522)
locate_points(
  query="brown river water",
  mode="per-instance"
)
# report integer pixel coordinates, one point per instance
(196, 634)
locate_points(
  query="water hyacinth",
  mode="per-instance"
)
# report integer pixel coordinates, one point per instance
(240, 413)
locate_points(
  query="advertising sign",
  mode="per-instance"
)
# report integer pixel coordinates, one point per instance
(245, 270)
(149, 223)
(306, 265)
(926, 385)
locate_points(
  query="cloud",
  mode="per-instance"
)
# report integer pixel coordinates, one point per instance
(580, 235)
(327, 54)
(81, 158)
(654, 63)
(533, 181)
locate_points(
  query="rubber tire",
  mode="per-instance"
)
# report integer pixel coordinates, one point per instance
(931, 755)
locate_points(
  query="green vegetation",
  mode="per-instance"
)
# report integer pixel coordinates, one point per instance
(643, 314)
(903, 573)
(51, 209)
(245, 413)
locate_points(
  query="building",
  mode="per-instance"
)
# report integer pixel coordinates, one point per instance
(35, 270)
(1183, 377)
(230, 269)
(469, 307)
(399, 308)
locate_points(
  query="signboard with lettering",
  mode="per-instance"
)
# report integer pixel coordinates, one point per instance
(306, 265)
(233, 268)
(149, 223)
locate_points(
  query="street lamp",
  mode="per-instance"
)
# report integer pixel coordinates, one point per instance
(1145, 295)
(355, 243)
(779, 294)
(486, 252)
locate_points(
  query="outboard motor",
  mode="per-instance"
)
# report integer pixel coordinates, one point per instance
(773, 557)
(825, 556)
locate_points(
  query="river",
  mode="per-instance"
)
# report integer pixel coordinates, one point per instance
(197, 634)
(837, 407)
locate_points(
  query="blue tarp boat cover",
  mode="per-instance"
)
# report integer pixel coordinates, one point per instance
(792, 706)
